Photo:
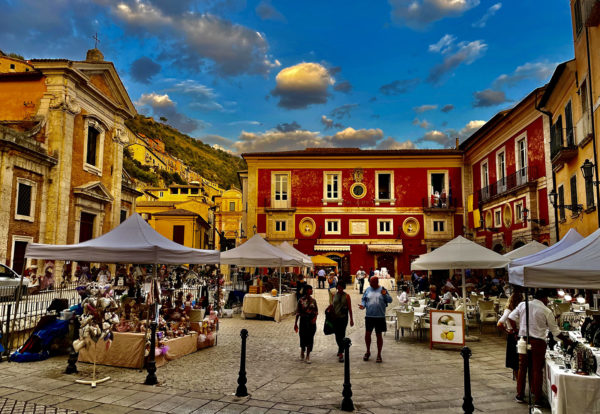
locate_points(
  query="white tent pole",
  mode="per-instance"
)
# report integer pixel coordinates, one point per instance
(279, 292)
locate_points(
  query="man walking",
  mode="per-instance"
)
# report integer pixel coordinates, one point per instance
(360, 277)
(321, 277)
(541, 320)
(375, 300)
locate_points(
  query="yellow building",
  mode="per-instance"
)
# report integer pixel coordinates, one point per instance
(228, 218)
(143, 153)
(182, 226)
(568, 101)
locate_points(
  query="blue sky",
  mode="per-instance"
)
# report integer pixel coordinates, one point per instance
(267, 75)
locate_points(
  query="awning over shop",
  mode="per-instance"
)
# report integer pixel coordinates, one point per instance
(332, 248)
(385, 248)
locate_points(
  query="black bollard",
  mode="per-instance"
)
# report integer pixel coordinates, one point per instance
(468, 400)
(242, 391)
(73, 356)
(151, 364)
(347, 404)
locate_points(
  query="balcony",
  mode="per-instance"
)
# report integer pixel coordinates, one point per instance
(523, 177)
(559, 152)
(439, 204)
(280, 205)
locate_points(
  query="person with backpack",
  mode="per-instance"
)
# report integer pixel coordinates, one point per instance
(342, 309)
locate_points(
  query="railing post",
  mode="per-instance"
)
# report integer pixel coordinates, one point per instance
(468, 400)
(347, 404)
(7, 332)
(242, 391)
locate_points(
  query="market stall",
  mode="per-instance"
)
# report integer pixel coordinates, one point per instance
(257, 252)
(133, 241)
(574, 266)
(526, 250)
(460, 253)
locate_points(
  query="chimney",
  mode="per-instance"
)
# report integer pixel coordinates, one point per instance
(94, 55)
(456, 142)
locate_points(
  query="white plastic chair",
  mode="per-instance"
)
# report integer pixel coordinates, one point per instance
(487, 313)
(405, 320)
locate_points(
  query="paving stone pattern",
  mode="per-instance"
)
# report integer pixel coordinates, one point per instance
(412, 378)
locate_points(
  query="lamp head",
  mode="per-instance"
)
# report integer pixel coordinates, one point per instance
(587, 169)
(580, 300)
(568, 297)
(561, 293)
(552, 196)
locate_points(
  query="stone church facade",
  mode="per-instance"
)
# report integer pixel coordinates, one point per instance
(62, 135)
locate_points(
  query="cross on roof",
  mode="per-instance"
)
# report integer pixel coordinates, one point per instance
(95, 37)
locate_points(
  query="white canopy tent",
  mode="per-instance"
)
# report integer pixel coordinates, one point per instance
(576, 266)
(568, 239)
(526, 250)
(460, 254)
(292, 251)
(256, 252)
(133, 241)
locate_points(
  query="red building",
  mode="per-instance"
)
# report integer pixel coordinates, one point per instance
(367, 208)
(507, 176)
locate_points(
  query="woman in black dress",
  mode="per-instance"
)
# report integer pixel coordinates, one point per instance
(307, 313)
(512, 358)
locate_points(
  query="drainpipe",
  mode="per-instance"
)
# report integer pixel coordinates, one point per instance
(591, 106)
(549, 115)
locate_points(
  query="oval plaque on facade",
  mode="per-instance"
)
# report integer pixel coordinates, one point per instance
(307, 226)
(411, 226)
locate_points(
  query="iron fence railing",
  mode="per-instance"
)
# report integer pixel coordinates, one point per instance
(21, 310)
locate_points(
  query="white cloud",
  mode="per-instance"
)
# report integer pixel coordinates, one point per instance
(245, 123)
(469, 129)
(391, 144)
(423, 124)
(417, 14)
(540, 71)
(273, 140)
(193, 39)
(424, 108)
(467, 53)
(163, 106)
(351, 137)
(443, 45)
(330, 123)
(489, 97)
(488, 14)
(302, 85)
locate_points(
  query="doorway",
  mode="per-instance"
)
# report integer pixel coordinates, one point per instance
(387, 261)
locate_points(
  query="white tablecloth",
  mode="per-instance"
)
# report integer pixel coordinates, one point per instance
(272, 306)
(574, 393)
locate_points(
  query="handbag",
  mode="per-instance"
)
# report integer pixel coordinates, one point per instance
(328, 327)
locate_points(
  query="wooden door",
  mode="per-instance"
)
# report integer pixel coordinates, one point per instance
(19, 257)
(86, 227)
(179, 234)
(345, 271)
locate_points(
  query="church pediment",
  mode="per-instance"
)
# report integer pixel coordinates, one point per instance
(103, 77)
(94, 190)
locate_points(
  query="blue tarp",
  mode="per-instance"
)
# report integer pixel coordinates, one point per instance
(37, 347)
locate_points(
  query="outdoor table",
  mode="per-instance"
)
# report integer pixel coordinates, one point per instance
(389, 284)
(574, 393)
(267, 305)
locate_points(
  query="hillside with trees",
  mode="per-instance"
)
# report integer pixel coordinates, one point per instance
(213, 164)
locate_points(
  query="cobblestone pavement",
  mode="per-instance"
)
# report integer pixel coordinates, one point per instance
(412, 378)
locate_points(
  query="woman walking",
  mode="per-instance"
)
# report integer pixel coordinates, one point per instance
(342, 307)
(512, 358)
(307, 313)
